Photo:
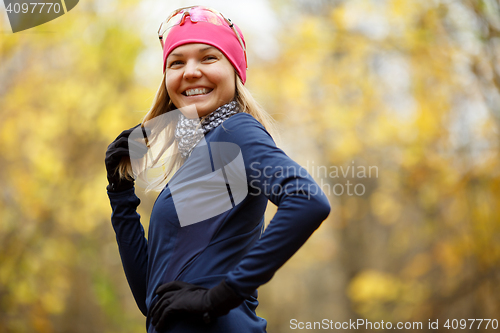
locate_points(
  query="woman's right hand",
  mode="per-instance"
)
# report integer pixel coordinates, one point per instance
(116, 152)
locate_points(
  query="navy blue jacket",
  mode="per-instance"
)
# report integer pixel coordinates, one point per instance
(230, 244)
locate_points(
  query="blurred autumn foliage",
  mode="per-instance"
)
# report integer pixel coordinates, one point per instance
(409, 90)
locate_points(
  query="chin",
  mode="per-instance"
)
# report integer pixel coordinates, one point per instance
(202, 111)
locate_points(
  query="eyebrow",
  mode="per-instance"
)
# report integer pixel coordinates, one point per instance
(200, 51)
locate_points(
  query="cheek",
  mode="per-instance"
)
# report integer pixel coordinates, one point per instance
(170, 84)
(223, 74)
(166, 86)
(226, 80)
(171, 91)
(232, 85)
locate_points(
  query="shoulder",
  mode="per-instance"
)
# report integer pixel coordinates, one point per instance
(248, 135)
(242, 119)
(243, 126)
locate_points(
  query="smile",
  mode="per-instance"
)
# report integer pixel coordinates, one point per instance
(197, 91)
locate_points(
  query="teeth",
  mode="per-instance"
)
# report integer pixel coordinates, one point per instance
(197, 91)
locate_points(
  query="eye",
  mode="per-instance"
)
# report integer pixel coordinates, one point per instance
(210, 58)
(175, 63)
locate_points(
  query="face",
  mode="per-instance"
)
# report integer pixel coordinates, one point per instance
(199, 75)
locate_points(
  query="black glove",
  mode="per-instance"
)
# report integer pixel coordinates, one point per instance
(117, 151)
(183, 299)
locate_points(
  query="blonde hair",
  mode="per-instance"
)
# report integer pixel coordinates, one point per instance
(162, 104)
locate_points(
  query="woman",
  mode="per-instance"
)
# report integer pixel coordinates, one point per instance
(206, 252)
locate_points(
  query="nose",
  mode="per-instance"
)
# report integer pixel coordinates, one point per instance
(192, 70)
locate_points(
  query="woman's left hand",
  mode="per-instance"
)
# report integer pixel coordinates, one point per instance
(182, 298)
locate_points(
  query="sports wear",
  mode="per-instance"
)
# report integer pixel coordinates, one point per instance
(229, 246)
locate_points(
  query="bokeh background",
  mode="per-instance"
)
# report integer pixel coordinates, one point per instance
(409, 90)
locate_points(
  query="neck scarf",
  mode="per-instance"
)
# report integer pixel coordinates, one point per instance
(189, 131)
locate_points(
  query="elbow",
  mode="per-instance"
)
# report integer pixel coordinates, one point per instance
(318, 206)
(323, 207)
(316, 211)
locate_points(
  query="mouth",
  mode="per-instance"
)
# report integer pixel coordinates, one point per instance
(196, 92)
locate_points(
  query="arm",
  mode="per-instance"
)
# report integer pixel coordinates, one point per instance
(131, 242)
(302, 205)
(125, 219)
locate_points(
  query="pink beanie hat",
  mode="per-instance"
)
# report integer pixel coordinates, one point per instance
(220, 36)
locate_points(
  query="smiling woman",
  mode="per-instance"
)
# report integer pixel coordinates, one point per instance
(206, 252)
(199, 74)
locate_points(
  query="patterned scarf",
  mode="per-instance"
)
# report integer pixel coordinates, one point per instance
(189, 131)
